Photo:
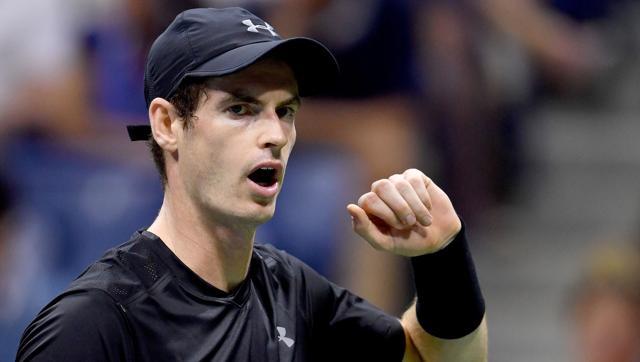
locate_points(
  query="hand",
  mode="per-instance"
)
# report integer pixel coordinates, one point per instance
(405, 214)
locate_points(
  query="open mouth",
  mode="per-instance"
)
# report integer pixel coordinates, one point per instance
(264, 176)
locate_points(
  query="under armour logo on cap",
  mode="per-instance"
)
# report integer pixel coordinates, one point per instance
(254, 28)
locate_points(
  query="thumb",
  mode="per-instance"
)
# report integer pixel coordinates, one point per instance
(358, 216)
(363, 226)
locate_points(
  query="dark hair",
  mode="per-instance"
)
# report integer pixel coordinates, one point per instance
(185, 100)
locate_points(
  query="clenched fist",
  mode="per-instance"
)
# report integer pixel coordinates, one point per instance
(405, 214)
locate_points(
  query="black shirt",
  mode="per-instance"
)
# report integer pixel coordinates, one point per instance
(139, 302)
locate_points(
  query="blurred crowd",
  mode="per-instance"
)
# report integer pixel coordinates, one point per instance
(439, 85)
(605, 306)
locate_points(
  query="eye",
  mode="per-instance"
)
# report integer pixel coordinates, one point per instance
(286, 112)
(239, 109)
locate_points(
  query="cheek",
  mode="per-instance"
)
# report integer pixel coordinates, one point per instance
(289, 147)
(200, 160)
(294, 134)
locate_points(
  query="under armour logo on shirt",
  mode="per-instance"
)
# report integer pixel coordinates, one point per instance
(282, 332)
(254, 28)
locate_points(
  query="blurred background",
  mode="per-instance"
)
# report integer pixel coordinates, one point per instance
(525, 112)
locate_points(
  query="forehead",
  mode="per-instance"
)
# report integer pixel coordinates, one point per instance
(264, 75)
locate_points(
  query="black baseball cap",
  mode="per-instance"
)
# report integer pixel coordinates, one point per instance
(208, 42)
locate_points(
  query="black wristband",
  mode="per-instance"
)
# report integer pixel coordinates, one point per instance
(450, 303)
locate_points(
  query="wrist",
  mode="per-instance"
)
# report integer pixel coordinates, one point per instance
(450, 303)
(449, 241)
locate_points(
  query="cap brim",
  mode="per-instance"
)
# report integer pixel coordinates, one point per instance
(314, 67)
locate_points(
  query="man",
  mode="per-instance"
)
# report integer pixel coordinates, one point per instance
(222, 90)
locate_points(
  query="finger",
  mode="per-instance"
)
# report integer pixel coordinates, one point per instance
(410, 195)
(388, 193)
(373, 205)
(364, 227)
(420, 183)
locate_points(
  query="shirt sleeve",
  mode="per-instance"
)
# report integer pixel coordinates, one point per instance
(347, 327)
(82, 326)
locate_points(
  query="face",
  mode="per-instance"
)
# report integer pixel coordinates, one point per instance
(607, 329)
(232, 160)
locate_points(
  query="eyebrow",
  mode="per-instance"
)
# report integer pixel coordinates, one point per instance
(241, 95)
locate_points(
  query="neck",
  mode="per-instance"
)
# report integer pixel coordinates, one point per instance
(217, 252)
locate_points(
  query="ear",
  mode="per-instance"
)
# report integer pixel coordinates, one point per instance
(162, 115)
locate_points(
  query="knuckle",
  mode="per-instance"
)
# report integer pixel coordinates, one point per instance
(380, 185)
(401, 184)
(367, 200)
(413, 172)
(415, 179)
(407, 212)
(404, 211)
(422, 213)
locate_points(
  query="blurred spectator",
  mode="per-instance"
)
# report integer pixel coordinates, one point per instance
(606, 307)
(560, 38)
(95, 190)
(460, 117)
(69, 85)
(483, 65)
(116, 45)
(39, 58)
(24, 278)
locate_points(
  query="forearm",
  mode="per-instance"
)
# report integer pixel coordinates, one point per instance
(447, 321)
(421, 346)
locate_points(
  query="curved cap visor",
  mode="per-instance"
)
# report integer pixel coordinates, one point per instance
(313, 65)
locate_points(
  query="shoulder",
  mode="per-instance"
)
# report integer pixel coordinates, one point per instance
(77, 325)
(89, 318)
(79, 307)
(123, 272)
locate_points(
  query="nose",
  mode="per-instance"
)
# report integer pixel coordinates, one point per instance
(275, 133)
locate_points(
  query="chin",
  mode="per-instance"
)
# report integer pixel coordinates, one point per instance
(262, 219)
(266, 214)
(260, 213)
